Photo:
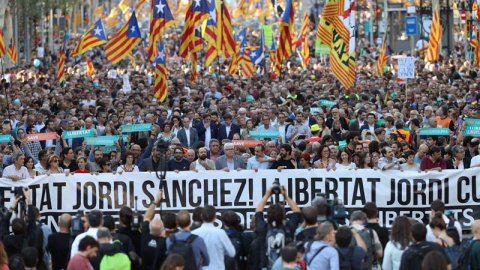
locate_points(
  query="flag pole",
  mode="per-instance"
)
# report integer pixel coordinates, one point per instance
(5, 87)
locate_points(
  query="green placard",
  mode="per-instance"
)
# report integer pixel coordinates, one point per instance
(267, 31)
(342, 144)
(105, 140)
(315, 109)
(264, 134)
(107, 149)
(472, 121)
(82, 133)
(136, 128)
(434, 131)
(5, 138)
(327, 103)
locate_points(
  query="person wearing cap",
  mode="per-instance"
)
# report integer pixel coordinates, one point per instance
(315, 130)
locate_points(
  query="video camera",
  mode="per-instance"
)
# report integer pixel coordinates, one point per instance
(137, 217)
(336, 211)
(78, 224)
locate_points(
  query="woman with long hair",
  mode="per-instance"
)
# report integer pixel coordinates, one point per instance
(324, 161)
(321, 123)
(28, 163)
(127, 163)
(246, 131)
(451, 245)
(364, 161)
(53, 166)
(345, 161)
(399, 242)
(177, 124)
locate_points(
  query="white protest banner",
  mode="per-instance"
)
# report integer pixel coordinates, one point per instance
(406, 68)
(407, 193)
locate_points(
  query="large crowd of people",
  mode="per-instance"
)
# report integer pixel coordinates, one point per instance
(376, 125)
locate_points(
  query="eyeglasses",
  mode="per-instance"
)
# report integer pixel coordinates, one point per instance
(108, 164)
(56, 160)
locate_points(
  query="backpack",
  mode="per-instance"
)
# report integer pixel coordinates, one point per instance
(184, 249)
(274, 242)
(453, 232)
(369, 239)
(235, 262)
(307, 260)
(116, 262)
(464, 260)
(345, 260)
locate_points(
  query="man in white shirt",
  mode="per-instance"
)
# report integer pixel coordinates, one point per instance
(439, 206)
(202, 163)
(16, 171)
(217, 241)
(95, 220)
(281, 126)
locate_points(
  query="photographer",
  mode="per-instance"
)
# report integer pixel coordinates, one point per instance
(276, 231)
(95, 221)
(154, 248)
(24, 233)
(126, 228)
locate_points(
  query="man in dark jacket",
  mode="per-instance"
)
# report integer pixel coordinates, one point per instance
(107, 248)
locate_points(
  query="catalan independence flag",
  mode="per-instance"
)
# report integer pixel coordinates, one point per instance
(161, 78)
(213, 33)
(285, 44)
(435, 37)
(197, 12)
(98, 11)
(258, 55)
(382, 57)
(124, 41)
(90, 69)
(160, 19)
(12, 51)
(95, 36)
(61, 63)
(2, 44)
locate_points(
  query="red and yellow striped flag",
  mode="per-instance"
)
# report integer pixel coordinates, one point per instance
(435, 37)
(382, 57)
(285, 43)
(197, 12)
(90, 70)
(61, 63)
(12, 51)
(161, 77)
(160, 19)
(2, 44)
(124, 41)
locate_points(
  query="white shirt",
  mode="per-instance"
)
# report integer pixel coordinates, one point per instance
(208, 135)
(39, 168)
(227, 130)
(218, 245)
(475, 161)
(86, 102)
(90, 232)
(282, 131)
(11, 170)
(39, 126)
(187, 132)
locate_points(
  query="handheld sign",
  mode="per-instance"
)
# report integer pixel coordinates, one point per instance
(5, 138)
(248, 144)
(264, 134)
(41, 136)
(327, 103)
(473, 127)
(136, 128)
(435, 131)
(406, 68)
(82, 133)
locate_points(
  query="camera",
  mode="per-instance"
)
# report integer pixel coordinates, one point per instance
(78, 224)
(335, 210)
(18, 192)
(276, 189)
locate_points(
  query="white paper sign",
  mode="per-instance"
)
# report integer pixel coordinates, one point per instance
(406, 68)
